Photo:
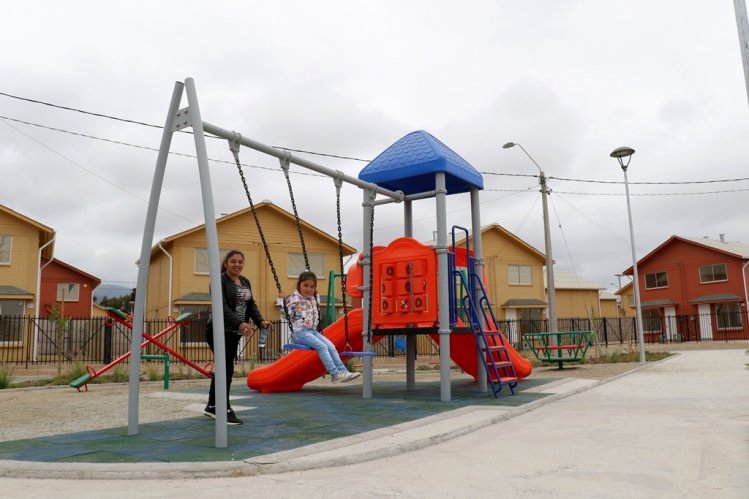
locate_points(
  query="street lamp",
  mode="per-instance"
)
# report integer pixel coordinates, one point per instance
(621, 154)
(547, 239)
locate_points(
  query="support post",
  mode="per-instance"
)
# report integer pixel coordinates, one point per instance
(408, 226)
(368, 204)
(478, 269)
(145, 260)
(443, 283)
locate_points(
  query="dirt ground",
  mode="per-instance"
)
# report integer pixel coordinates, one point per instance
(33, 412)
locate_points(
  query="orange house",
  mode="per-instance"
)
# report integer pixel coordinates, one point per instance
(693, 288)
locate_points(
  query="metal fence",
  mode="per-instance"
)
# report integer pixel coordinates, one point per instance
(26, 340)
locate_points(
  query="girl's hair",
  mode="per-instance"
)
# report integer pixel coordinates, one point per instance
(230, 254)
(306, 276)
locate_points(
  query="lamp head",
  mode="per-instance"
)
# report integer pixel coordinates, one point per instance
(621, 154)
(508, 145)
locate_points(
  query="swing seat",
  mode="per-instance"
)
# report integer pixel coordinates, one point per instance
(345, 353)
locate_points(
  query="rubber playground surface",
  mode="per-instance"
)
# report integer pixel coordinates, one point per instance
(273, 422)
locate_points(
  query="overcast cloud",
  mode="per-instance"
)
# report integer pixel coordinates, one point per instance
(570, 81)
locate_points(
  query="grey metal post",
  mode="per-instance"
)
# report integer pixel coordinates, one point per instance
(443, 283)
(145, 260)
(638, 305)
(478, 268)
(408, 226)
(211, 235)
(368, 205)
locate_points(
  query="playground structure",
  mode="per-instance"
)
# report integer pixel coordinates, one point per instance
(114, 315)
(405, 282)
(418, 166)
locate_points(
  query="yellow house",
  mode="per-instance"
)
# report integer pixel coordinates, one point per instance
(627, 300)
(609, 305)
(178, 279)
(514, 270)
(23, 244)
(577, 298)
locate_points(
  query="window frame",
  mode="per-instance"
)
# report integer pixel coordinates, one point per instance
(295, 264)
(9, 239)
(196, 251)
(656, 277)
(515, 270)
(711, 268)
(732, 316)
(69, 297)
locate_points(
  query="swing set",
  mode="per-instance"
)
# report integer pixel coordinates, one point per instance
(234, 144)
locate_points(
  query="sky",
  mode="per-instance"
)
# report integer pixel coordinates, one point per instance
(569, 81)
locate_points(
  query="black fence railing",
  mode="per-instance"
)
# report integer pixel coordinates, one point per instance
(31, 340)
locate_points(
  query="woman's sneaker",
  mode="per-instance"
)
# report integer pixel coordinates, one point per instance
(231, 418)
(339, 377)
(210, 411)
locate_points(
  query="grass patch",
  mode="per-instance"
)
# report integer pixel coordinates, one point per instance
(6, 376)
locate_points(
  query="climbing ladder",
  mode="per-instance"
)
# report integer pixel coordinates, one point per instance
(491, 344)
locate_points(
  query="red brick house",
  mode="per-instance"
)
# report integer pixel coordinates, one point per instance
(66, 287)
(694, 289)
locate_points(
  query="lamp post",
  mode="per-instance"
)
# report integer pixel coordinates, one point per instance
(624, 156)
(547, 240)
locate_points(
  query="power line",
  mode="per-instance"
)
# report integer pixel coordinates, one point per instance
(151, 125)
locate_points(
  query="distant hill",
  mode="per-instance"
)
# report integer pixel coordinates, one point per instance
(110, 291)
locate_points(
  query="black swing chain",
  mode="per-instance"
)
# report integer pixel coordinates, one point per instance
(285, 167)
(338, 183)
(234, 147)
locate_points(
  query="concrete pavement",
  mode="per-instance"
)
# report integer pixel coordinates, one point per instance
(678, 428)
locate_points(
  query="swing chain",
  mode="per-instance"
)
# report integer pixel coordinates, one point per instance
(234, 147)
(338, 184)
(285, 164)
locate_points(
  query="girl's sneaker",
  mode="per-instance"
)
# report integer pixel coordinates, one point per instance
(350, 376)
(339, 377)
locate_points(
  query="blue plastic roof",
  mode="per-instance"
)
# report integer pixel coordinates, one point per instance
(410, 165)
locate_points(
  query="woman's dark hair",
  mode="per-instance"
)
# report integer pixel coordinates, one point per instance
(305, 276)
(230, 254)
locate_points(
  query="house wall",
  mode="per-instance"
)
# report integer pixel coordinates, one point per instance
(682, 262)
(578, 303)
(240, 233)
(23, 269)
(499, 251)
(54, 274)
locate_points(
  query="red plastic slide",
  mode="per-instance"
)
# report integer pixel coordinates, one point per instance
(463, 353)
(292, 371)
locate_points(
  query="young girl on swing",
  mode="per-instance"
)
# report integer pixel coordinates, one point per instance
(304, 313)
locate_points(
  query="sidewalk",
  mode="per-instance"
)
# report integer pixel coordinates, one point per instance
(677, 428)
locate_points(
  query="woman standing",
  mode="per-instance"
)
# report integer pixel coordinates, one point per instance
(239, 307)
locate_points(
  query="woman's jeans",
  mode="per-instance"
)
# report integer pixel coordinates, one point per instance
(324, 347)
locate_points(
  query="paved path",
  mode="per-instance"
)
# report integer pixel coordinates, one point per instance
(679, 428)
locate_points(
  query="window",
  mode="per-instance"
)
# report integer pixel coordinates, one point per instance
(519, 274)
(651, 321)
(728, 315)
(656, 280)
(713, 273)
(11, 320)
(194, 331)
(5, 247)
(68, 291)
(202, 265)
(296, 266)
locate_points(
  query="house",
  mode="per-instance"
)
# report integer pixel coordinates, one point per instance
(23, 244)
(626, 296)
(66, 289)
(609, 304)
(178, 280)
(694, 288)
(575, 297)
(514, 270)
